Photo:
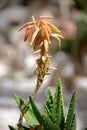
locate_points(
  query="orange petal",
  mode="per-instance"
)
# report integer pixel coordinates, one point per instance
(55, 36)
(34, 36)
(33, 19)
(58, 35)
(53, 27)
(46, 45)
(45, 17)
(23, 26)
(45, 24)
(46, 32)
(26, 34)
(31, 26)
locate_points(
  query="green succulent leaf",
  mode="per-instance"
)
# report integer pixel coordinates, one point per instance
(70, 114)
(25, 128)
(28, 115)
(43, 119)
(73, 125)
(55, 104)
(35, 110)
(11, 128)
(53, 117)
(58, 106)
(58, 120)
(49, 99)
(47, 111)
(30, 118)
(48, 124)
(48, 104)
(19, 101)
(60, 114)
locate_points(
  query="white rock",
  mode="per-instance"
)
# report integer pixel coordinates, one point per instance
(29, 64)
(68, 70)
(64, 63)
(2, 41)
(8, 117)
(80, 82)
(12, 14)
(4, 69)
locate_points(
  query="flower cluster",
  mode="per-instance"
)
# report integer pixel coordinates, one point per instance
(40, 40)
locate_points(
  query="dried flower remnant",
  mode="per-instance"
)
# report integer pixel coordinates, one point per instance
(40, 40)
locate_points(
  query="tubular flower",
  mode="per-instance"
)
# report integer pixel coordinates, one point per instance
(40, 40)
(42, 30)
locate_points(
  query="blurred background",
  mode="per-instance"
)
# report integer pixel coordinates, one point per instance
(17, 58)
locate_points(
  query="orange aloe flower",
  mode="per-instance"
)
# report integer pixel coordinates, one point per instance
(42, 32)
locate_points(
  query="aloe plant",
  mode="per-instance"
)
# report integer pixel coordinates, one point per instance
(53, 117)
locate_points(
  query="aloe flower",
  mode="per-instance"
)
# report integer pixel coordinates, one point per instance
(40, 40)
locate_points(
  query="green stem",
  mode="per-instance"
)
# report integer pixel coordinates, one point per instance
(20, 121)
(38, 85)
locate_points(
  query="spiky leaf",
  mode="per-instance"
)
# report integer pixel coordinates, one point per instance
(55, 105)
(58, 119)
(49, 100)
(28, 115)
(47, 123)
(47, 111)
(35, 110)
(25, 128)
(11, 128)
(70, 114)
(19, 101)
(58, 105)
(73, 125)
(30, 118)
(60, 115)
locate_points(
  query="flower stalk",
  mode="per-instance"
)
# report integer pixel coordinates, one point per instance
(40, 40)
